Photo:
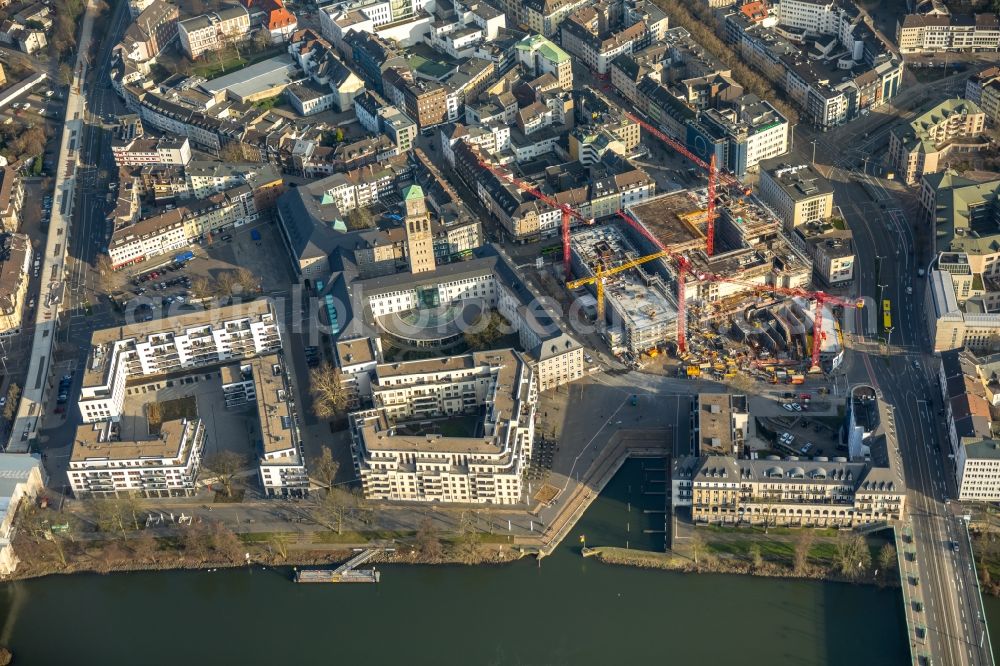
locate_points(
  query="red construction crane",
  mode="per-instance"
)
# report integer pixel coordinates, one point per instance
(566, 210)
(821, 298)
(683, 267)
(710, 213)
(713, 174)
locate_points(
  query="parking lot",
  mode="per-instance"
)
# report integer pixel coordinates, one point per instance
(162, 287)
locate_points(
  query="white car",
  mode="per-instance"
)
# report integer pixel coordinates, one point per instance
(788, 407)
(796, 406)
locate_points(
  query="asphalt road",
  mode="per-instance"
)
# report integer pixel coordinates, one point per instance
(891, 249)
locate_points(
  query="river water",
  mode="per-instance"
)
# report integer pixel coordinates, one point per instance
(568, 611)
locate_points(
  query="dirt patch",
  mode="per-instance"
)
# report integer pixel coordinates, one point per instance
(546, 494)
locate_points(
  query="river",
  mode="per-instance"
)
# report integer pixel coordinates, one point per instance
(567, 611)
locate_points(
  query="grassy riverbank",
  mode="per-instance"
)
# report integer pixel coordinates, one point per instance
(779, 553)
(212, 545)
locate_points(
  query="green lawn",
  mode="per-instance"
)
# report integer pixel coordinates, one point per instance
(361, 537)
(210, 66)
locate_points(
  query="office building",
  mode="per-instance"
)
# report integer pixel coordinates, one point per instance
(797, 193)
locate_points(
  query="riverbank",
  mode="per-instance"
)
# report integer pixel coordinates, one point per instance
(214, 546)
(681, 564)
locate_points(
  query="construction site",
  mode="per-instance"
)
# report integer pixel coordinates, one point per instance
(707, 275)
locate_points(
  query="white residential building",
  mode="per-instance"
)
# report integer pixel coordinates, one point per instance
(165, 464)
(154, 348)
(261, 381)
(140, 151)
(398, 460)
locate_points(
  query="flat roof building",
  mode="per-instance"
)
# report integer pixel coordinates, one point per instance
(797, 193)
(398, 448)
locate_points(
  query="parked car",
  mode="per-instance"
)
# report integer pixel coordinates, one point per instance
(788, 407)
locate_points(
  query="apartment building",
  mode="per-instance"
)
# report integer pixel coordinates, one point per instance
(540, 16)
(399, 460)
(797, 193)
(540, 56)
(970, 392)
(934, 33)
(587, 34)
(104, 464)
(149, 33)
(11, 199)
(263, 383)
(177, 228)
(212, 31)
(15, 262)
(183, 342)
(723, 490)
(823, 54)
(983, 89)
(357, 360)
(426, 102)
(923, 145)
(208, 177)
(140, 151)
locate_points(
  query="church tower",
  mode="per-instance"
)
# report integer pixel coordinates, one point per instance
(419, 239)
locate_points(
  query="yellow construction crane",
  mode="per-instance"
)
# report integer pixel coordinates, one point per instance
(600, 274)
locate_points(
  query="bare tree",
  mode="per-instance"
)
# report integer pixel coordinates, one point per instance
(232, 152)
(13, 396)
(111, 515)
(853, 557)
(359, 218)
(201, 287)
(333, 509)
(225, 465)
(428, 542)
(699, 549)
(196, 541)
(145, 546)
(246, 280)
(887, 558)
(262, 40)
(65, 75)
(105, 272)
(224, 542)
(280, 542)
(328, 392)
(224, 283)
(325, 469)
(803, 545)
